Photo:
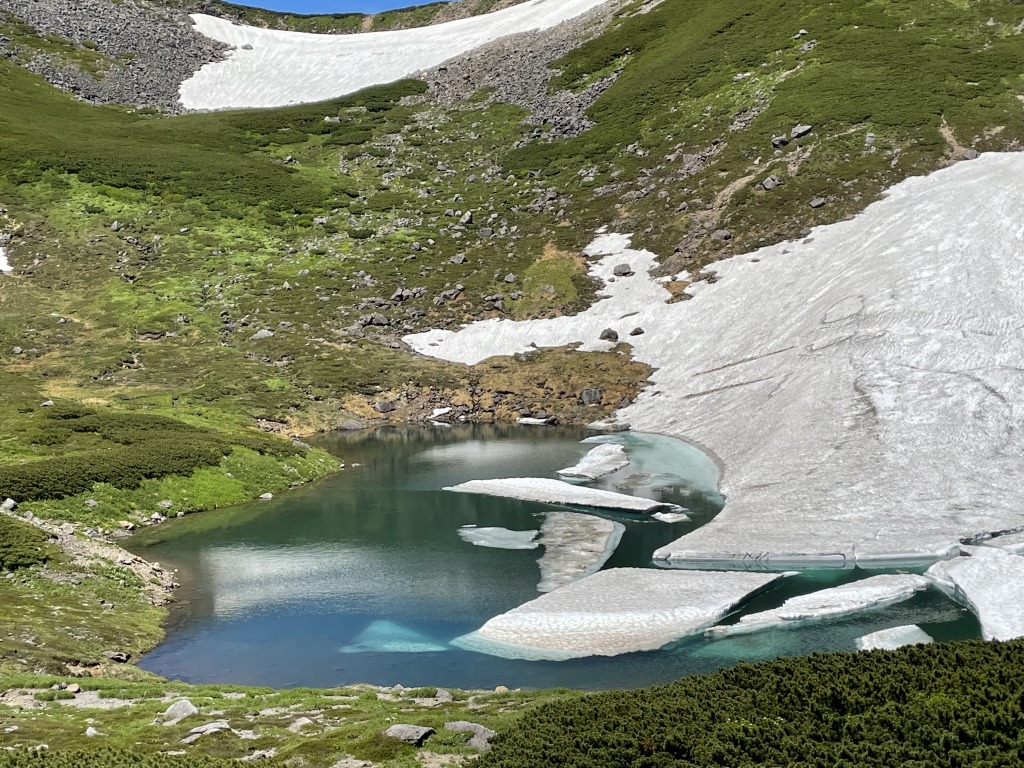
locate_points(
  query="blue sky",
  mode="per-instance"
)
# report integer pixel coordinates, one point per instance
(332, 6)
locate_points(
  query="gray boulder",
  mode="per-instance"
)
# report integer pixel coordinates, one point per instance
(800, 130)
(591, 395)
(8, 505)
(638, 331)
(818, 202)
(721, 234)
(410, 734)
(778, 142)
(351, 425)
(178, 711)
(622, 270)
(609, 334)
(482, 735)
(265, 333)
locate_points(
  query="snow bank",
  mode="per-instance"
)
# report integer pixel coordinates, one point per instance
(271, 68)
(546, 491)
(896, 637)
(499, 538)
(873, 592)
(990, 582)
(5, 265)
(1011, 542)
(575, 546)
(599, 461)
(617, 611)
(860, 387)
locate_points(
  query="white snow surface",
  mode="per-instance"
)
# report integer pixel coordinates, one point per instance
(990, 582)
(872, 592)
(5, 265)
(1011, 542)
(575, 545)
(296, 67)
(548, 491)
(893, 638)
(620, 610)
(499, 538)
(598, 462)
(861, 388)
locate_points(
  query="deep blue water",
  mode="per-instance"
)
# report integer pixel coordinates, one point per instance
(363, 577)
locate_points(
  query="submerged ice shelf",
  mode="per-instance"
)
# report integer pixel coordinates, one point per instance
(272, 68)
(600, 461)
(575, 545)
(547, 491)
(498, 538)
(869, 593)
(620, 610)
(856, 369)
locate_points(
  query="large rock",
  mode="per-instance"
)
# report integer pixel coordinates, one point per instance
(178, 711)
(482, 735)
(410, 734)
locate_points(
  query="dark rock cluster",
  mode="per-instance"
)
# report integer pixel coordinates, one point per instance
(146, 50)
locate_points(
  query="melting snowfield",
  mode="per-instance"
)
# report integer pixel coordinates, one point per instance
(272, 68)
(862, 388)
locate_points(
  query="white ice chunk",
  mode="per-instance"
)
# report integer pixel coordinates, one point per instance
(383, 636)
(872, 592)
(575, 545)
(990, 582)
(547, 491)
(531, 421)
(439, 412)
(5, 265)
(856, 368)
(671, 517)
(1011, 542)
(271, 68)
(616, 611)
(499, 538)
(600, 461)
(893, 638)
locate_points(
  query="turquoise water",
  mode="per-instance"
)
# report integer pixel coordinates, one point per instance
(364, 578)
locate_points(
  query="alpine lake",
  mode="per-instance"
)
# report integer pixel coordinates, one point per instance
(364, 578)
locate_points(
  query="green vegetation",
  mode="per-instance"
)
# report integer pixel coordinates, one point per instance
(22, 545)
(105, 758)
(953, 704)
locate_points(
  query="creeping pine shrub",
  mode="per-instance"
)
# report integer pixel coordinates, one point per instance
(105, 758)
(137, 447)
(22, 545)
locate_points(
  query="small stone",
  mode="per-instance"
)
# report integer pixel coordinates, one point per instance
(591, 395)
(869, 139)
(638, 331)
(384, 406)
(90, 732)
(91, 503)
(458, 258)
(266, 496)
(118, 656)
(17, 350)
(609, 334)
(818, 202)
(165, 504)
(622, 270)
(971, 154)
(74, 688)
(8, 505)
(778, 142)
(265, 333)
(127, 525)
(721, 234)
(351, 425)
(771, 182)
(246, 46)
(482, 735)
(299, 724)
(510, 278)
(47, 404)
(410, 734)
(501, 689)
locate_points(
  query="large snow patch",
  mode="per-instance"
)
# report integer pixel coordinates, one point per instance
(272, 68)
(990, 582)
(617, 611)
(862, 387)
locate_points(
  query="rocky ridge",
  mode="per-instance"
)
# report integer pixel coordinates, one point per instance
(145, 50)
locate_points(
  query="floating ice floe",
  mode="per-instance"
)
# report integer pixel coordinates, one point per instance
(671, 517)
(873, 592)
(990, 582)
(575, 545)
(547, 491)
(499, 538)
(272, 68)
(600, 461)
(620, 610)
(896, 637)
(383, 636)
(855, 369)
(1011, 542)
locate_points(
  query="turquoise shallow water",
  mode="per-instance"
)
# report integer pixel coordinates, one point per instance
(364, 578)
